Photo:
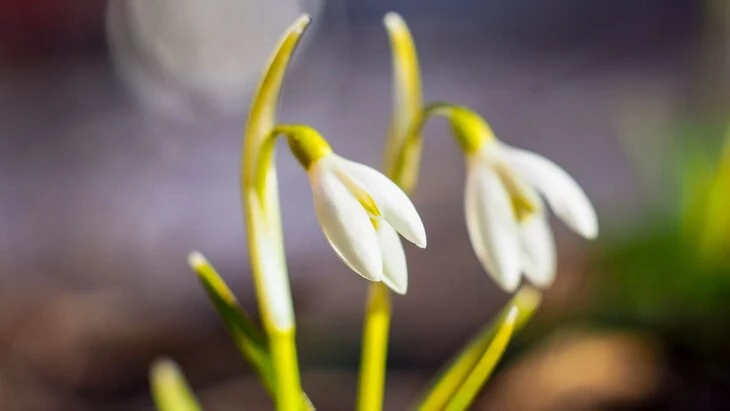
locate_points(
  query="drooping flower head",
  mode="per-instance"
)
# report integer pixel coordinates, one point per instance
(361, 213)
(505, 214)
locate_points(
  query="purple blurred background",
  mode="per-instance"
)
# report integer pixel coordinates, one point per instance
(120, 131)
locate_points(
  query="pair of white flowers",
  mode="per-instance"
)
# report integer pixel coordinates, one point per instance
(361, 213)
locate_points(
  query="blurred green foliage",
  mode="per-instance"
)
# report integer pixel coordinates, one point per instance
(670, 273)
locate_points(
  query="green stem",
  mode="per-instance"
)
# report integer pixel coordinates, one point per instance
(469, 129)
(283, 348)
(246, 336)
(375, 349)
(407, 104)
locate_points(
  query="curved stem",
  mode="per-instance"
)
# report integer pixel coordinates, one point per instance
(305, 143)
(405, 165)
(263, 225)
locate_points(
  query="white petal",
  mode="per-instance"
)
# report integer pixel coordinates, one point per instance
(395, 270)
(346, 224)
(395, 206)
(492, 226)
(564, 195)
(538, 250)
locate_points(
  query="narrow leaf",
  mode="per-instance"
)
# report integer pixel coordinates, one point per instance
(407, 102)
(468, 391)
(452, 377)
(246, 336)
(170, 391)
(262, 116)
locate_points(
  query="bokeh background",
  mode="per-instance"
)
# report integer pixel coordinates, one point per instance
(120, 130)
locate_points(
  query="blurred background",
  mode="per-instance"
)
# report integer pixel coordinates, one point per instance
(120, 131)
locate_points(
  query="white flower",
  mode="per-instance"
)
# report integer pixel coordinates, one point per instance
(506, 217)
(361, 213)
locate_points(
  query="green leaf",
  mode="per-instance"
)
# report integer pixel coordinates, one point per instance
(170, 391)
(469, 389)
(467, 361)
(407, 103)
(245, 334)
(247, 337)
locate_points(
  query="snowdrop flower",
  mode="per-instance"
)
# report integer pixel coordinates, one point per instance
(505, 215)
(361, 212)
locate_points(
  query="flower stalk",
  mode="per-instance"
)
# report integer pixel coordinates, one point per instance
(401, 162)
(469, 129)
(407, 100)
(375, 348)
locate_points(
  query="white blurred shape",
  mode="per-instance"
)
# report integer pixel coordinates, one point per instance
(181, 55)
